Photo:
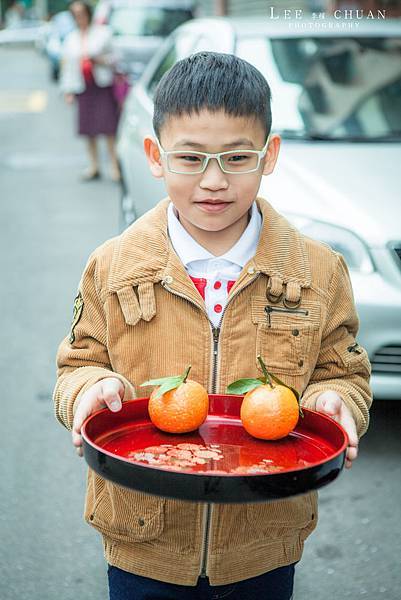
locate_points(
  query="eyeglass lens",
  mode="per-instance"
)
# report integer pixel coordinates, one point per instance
(233, 162)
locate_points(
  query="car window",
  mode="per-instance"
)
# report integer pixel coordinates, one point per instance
(144, 21)
(181, 47)
(204, 43)
(331, 87)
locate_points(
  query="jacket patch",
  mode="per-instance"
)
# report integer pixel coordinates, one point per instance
(77, 312)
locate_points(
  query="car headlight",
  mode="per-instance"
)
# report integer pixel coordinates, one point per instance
(344, 241)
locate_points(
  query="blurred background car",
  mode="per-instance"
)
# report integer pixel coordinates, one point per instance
(25, 28)
(139, 28)
(337, 105)
(60, 25)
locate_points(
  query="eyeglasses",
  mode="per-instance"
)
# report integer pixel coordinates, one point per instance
(235, 162)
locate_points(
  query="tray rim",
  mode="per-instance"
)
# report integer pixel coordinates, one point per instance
(209, 474)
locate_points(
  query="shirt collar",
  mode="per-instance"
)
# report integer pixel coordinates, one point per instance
(188, 249)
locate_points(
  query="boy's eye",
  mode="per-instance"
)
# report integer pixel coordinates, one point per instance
(238, 158)
(190, 158)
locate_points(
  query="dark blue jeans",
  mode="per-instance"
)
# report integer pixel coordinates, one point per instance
(275, 585)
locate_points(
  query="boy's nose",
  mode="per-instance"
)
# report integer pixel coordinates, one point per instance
(213, 178)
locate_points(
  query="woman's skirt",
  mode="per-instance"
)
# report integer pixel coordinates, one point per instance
(97, 111)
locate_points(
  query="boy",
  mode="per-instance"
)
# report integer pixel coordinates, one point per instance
(188, 283)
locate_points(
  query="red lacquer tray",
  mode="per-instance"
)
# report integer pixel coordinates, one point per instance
(244, 469)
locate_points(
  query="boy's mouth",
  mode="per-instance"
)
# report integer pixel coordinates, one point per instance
(212, 205)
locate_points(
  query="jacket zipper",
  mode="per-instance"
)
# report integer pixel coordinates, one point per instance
(270, 309)
(216, 334)
(208, 507)
(207, 518)
(207, 512)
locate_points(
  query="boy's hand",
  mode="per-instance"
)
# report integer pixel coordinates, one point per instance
(331, 404)
(106, 392)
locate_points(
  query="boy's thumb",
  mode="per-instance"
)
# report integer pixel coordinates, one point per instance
(114, 403)
(113, 391)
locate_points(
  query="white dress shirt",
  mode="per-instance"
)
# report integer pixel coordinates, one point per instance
(217, 273)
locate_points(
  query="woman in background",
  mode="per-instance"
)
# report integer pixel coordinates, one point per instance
(87, 75)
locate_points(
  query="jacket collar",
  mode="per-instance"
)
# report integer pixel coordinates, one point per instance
(143, 252)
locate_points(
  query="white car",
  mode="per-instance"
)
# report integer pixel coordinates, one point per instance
(139, 28)
(26, 31)
(337, 105)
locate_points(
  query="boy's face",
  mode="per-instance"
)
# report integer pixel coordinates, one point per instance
(213, 200)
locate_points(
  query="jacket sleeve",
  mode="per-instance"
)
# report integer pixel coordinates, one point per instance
(69, 65)
(82, 358)
(342, 365)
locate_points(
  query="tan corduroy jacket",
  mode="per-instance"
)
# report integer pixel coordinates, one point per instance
(142, 318)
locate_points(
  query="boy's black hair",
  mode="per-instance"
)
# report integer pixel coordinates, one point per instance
(212, 81)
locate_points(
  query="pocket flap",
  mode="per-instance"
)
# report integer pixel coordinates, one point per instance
(285, 316)
(130, 305)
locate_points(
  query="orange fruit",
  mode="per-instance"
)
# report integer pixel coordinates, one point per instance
(269, 412)
(181, 409)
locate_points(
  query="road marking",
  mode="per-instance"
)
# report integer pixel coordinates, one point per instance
(34, 101)
(41, 160)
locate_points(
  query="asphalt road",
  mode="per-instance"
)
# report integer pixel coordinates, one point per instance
(50, 222)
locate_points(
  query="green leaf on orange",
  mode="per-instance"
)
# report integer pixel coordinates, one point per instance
(241, 386)
(294, 391)
(174, 382)
(166, 384)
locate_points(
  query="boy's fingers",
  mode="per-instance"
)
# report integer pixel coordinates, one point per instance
(76, 426)
(107, 392)
(350, 456)
(329, 402)
(352, 453)
(76, 438)
(85, 407)
(112, 393)
(347, 421)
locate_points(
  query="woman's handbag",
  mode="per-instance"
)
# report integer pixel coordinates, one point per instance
(121, 87)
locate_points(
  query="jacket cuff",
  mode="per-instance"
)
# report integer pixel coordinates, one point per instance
(71, 386)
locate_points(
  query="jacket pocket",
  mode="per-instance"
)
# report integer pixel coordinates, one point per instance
(285, 349)
(123, 514)
(285, 337)
(283, 518)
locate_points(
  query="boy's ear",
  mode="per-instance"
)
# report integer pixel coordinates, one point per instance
(153, 155)
(271, 154)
